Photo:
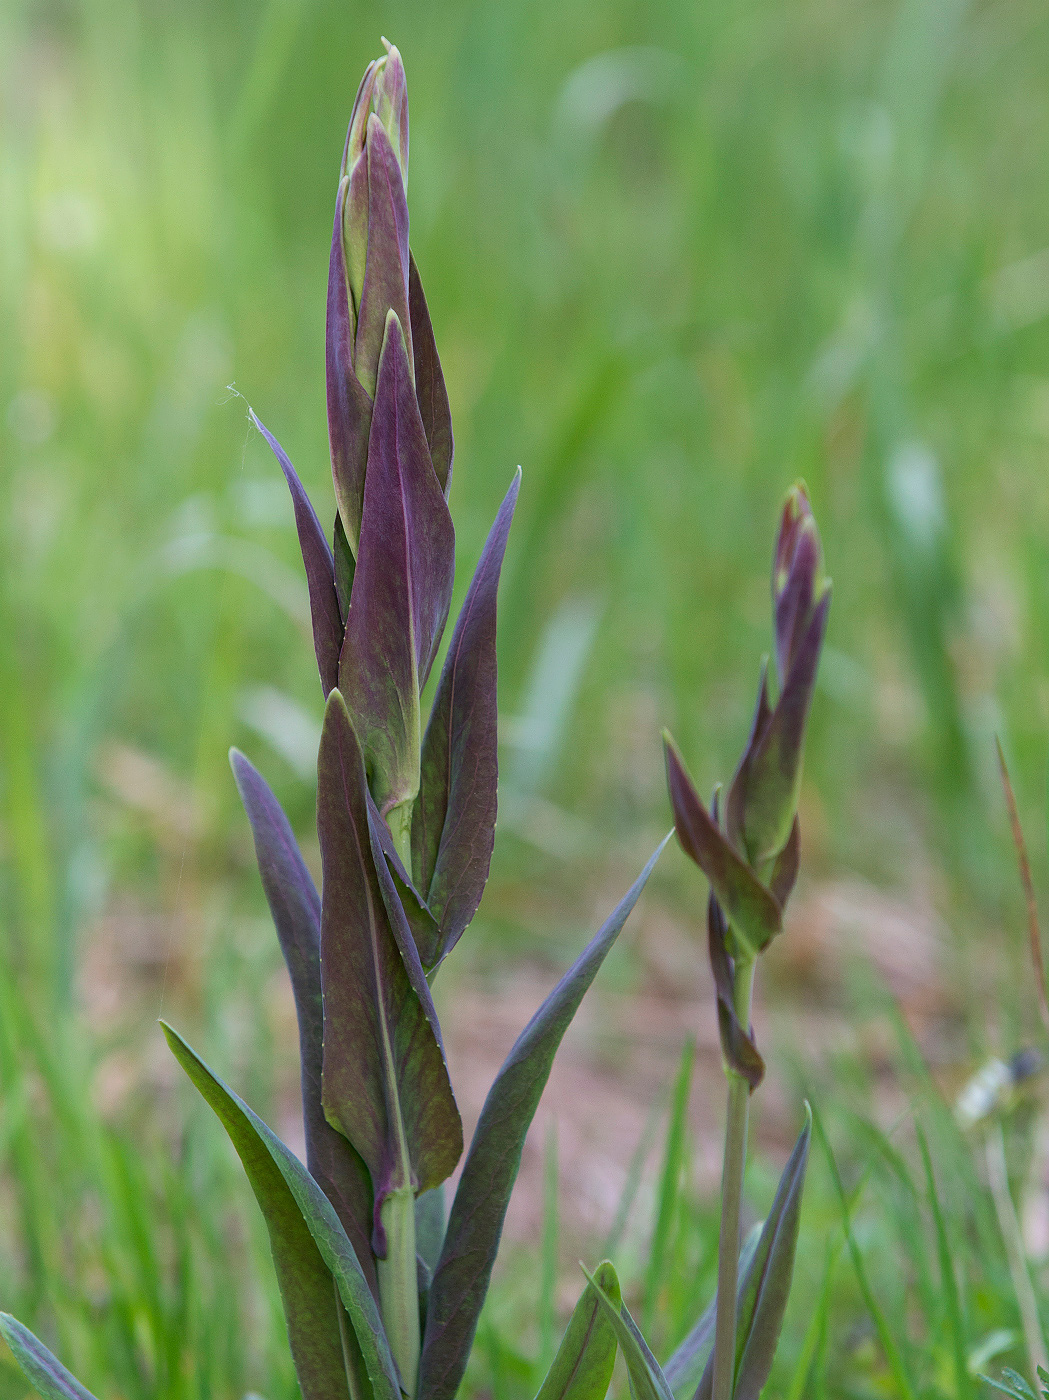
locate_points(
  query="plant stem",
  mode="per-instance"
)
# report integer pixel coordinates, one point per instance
(731, 1200)
(399, 1286)
(399, 820)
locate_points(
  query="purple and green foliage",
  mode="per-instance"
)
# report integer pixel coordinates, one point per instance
(381, 1294)
(751, 860)
(382, 1290)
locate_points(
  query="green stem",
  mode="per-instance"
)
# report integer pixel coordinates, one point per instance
(399, 820)
(399, 1284)
(731, 1201)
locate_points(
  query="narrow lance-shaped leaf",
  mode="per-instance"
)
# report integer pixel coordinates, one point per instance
(349, 404)
(401, 589)
(425, 933)
(429, 382)
(774, 779)
(309, 1245)
(765, 1285)
(453, 824)
(296, 909)
(385, 286)
(647, 1381)
(752, 911)
(44, 1372)
(385, 1082)
(582, 1368)
(737, 1042)
(320, 569)
(476, 1220)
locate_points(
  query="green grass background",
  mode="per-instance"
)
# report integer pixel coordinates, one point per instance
(677, 255)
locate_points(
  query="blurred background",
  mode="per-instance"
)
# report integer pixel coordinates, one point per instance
(677, 255)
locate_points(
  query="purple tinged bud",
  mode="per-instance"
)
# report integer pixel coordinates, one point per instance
(763, 800)
(384, 92)
(798, 584)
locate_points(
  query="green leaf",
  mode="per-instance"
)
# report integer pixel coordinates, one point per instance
(476, 1220)
(582, 1368)
(309, 1245)
(764, 1287)
(44, 1372)
(647, 1380)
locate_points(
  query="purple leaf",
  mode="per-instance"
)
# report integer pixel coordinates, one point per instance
(349, 406)
(384, 1076)
(296, 909)
(476, 1219)
(753, 913)
(453, 824)
(736, 805)
(797, 582)
(737, 1042)
(310, 1249)
(385, 287)
(429, 382)
(320, 569)
(774, 776)
(425, 933)
(402, 586)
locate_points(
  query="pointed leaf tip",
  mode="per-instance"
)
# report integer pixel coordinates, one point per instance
(753, 913)
(583, 1366)
(319, 565)
(453, 823)
(483, 1194)
(647, 1381)
(309, 1246)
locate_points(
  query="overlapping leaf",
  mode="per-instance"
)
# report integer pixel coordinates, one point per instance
(320, 569)
(384, 1077)
(385, 287)
(453, 824)
(44, 1372)
(582, 1368)
(310, 1248)
(476, 1219)
(402, 586)
(429, 382)
(349, 404)
(296, 909)
(737, 1041)
(752, 910)
(647, 1381)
